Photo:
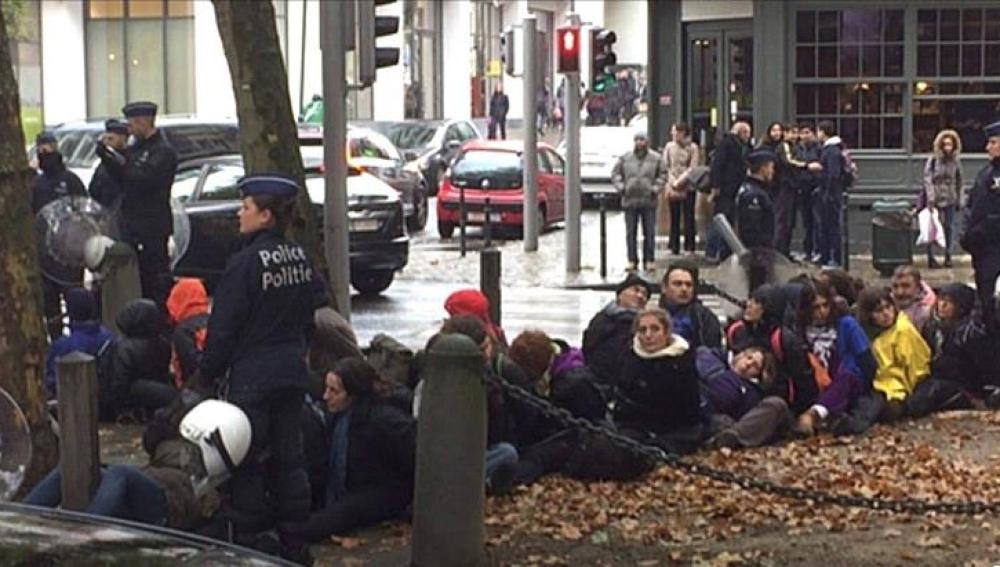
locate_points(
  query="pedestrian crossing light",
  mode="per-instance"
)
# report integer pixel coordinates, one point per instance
(602, 59)
(371, 26)
(568, 48)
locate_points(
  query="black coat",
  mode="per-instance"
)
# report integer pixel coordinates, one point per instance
(51, 185)
(962, 353)
(982, 216)
(755, 215)
(607, 342)
(728, 167)
(499, 105)
(694, 322)
(659, 395)
(142, 353)
(807, 180)
(262, 309)
(105, 188)
(832, 178)
(146, 178)
(186, 343)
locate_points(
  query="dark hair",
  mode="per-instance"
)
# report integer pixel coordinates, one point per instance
(281, 208)
(532, 351)
(468, 325)
(846, 285)
(767, 133)
(827, 127)
(790, 126)
(868, 302)
(908, 270)
(682, 127)
(806, 124)
(685, 266)
(360, 379)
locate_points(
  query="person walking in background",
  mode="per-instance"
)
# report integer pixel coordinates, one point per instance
(728, 170)
(808, 151)
(638, 178)
(499, 105)
(831, 195)
(542, 109)
(982, 228)
(942, 190)
(679, 156)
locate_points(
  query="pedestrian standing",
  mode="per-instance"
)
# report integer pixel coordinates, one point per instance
(542, 109)
(982, 229)
(808, 151)
(104, 187)
(754, 208)
(499, 105)
(54, 181)
(831, 195)
(679, 157)
(783, 189)
(146, 173)
(638, 177)
(262, 308)
(728, 170)
(942, 190)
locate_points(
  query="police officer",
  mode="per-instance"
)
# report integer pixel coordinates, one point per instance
(106, 188)
(53, 182)
(754, 207)
(146, 173)
(263, 306)
(982, 228)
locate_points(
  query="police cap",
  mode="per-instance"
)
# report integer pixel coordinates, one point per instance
(140, 108)
(761, 156)
(45, 137)
(992, 130)
(115, 126)
(268, 184)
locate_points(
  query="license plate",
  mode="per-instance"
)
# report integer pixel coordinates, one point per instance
(481, 217)
(364, 225)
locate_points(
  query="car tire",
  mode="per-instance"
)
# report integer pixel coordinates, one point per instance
(372, 282)
(446, 229)
(418, 220)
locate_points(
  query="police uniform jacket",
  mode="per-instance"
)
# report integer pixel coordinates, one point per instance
(754, 215)
(52, 185)
(263, 306)
(146, 178)
(105, 188)
(982, 216)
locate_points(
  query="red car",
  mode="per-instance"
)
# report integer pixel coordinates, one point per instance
(494, 170)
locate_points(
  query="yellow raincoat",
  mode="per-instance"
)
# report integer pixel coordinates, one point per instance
(903, 359)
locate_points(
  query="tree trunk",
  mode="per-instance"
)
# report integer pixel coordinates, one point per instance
(22, 334)
(268, 134)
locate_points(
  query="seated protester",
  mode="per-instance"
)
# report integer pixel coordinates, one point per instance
(187, 308)
(843, 357)
(912, 295)
(501, 456)
(178, 488)
(762, 315)
(846, 285)
(331, 340)
(371, 448)
(474, 302)
(903, 362)
(743, 400)
(608, 337)
(86, 334)
(692, 320)
(140, 369)
(657, 400)
(799, 374)
(961, 368)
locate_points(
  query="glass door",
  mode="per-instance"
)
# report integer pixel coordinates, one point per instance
(719, 79)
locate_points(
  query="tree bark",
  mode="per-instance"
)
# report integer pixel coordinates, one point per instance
(268, 134)
(22, 333)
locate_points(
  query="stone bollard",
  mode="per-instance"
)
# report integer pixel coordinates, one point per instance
(449, 495)
(489, 280)
(118, 279)
(79, 455)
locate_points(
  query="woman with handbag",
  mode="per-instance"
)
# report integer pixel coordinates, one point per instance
(942, 188)
(680, 156)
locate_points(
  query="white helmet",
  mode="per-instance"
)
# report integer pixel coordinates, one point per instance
(222, 432)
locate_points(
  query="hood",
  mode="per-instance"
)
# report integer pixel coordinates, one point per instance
(833, 141)
(963, 296)
(80, 305)
(678, 346)
(567, 358)
(710, 362)
(140, 318)
(941, 136)
(775, 300)
(188, 298)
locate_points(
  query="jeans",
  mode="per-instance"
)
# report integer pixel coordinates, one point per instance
(125, 492)
(785, 205)
(678, 209)
(830, 230)
(648, 217)
(947, 216)
(499, 455)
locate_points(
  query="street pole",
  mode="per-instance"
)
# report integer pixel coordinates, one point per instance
(573, 189)
(335, 232)
(530, 155)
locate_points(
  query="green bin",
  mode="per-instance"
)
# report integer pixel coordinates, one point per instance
(892, 236)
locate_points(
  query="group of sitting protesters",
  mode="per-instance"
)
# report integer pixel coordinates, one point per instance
(811, 355)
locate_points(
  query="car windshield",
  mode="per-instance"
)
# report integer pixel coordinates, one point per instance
(221, 182)
(504, 168)
(185, 182)
(406, 135)
(77, 147)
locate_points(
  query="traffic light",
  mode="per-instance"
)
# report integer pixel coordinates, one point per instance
(568, 48)
(507, 51)
(602, 59)
(371, 26)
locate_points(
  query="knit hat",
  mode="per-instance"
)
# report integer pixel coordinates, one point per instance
(474, 302)
(631, 280)
(963, 296)
(81, 305)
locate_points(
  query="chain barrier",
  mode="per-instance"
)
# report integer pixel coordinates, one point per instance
(658, 455)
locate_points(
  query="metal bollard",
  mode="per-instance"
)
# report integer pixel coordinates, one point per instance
(604, 236)
(449, 495)
(461, 220)
(78, 446)
(487, 228)
(489, 280)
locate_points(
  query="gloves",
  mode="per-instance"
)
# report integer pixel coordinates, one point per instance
(109, 154)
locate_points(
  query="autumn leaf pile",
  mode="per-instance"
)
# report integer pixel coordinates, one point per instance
(948, 457)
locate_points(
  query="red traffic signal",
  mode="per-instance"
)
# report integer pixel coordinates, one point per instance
(568, 48)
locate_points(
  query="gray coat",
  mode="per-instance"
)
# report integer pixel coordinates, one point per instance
(638, 180)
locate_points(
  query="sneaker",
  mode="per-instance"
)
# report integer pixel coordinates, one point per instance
(806, 424)
(650, 266)
(725, 439)
(630, 267)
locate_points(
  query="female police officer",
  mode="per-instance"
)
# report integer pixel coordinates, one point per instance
(262, 308)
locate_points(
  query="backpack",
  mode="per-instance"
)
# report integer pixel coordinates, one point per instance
(849, 175)
(821, 375)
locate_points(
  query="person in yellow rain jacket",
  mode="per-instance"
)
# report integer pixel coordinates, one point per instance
(903, 362)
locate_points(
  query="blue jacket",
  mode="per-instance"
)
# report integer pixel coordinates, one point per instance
(723, 390)
(85, 336)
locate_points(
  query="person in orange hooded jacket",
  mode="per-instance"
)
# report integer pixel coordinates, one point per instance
(188, 310)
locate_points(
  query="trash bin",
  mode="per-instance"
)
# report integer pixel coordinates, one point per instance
(892, 236)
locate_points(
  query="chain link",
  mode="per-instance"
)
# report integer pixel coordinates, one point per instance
(658, 455)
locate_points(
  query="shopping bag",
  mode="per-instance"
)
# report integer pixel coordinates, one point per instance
(931, 230)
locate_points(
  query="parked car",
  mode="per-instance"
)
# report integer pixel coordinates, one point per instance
(209, 199)
(191, 138)
(494, 170)
(600, 148)
(428, 146)
(373, 153)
